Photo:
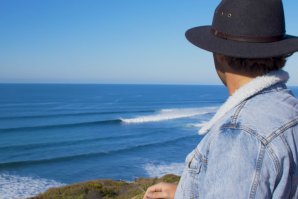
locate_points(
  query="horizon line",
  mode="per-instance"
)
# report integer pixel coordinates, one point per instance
(73, 83)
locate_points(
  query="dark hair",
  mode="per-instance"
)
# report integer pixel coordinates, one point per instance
(259, 66)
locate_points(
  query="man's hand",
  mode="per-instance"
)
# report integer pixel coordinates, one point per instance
(161, 190)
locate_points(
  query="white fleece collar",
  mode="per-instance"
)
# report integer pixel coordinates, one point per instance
(244, 92)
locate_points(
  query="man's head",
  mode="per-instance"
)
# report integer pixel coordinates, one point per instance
(249, 66)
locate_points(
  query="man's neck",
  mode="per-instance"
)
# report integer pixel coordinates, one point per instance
(235, 81)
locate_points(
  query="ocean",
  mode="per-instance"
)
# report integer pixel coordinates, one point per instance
(55, 134)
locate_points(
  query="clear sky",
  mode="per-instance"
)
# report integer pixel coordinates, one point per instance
(111, 41)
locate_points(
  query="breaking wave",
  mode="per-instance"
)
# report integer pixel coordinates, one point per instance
(18, 187)
(197, 125)
(158, 170)
(169, 114)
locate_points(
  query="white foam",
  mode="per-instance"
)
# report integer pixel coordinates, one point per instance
(17, 187)
(197, 125)
(163, 169)
(169, 114)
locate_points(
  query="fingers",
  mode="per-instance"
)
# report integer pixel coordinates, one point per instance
(155, 195)
(157, 187)
(155, 191)
(161, 191)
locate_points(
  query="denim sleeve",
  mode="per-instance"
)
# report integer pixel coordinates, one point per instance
(238, 167)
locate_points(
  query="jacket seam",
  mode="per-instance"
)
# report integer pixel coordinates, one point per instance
(237, 112)
(284, 140)
(274, 159)
(259, 166)
(200, 156)
(292, 166)
(282, 129)
(245, 129)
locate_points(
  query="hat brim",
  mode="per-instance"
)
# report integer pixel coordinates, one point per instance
(203, 38)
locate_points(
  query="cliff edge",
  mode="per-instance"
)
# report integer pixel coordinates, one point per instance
(106, 189)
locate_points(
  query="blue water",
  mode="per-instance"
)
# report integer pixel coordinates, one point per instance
(60, 134)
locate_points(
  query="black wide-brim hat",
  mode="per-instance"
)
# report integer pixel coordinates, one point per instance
(246, 29)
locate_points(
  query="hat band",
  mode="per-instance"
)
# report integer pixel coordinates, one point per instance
(228, 36)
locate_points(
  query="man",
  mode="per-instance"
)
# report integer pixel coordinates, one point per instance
(250, 148)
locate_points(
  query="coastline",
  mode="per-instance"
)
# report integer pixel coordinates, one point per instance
(105, 189)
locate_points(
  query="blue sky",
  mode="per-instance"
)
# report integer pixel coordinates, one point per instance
(109, 41)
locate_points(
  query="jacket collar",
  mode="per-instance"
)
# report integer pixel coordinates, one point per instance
(253, 87)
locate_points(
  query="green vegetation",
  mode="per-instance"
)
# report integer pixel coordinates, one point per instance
(106, 189)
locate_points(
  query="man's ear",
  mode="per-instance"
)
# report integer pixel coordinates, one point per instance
(220, 62)
(220, 58)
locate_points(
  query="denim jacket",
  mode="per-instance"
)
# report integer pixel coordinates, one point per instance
(251, 146)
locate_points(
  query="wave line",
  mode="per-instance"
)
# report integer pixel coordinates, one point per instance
(30, 128)
(69, 143)
(21, 163)
(71, 114)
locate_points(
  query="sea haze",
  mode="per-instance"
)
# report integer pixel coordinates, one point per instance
(52, 135)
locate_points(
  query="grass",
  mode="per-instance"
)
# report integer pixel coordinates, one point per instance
(106, 189)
